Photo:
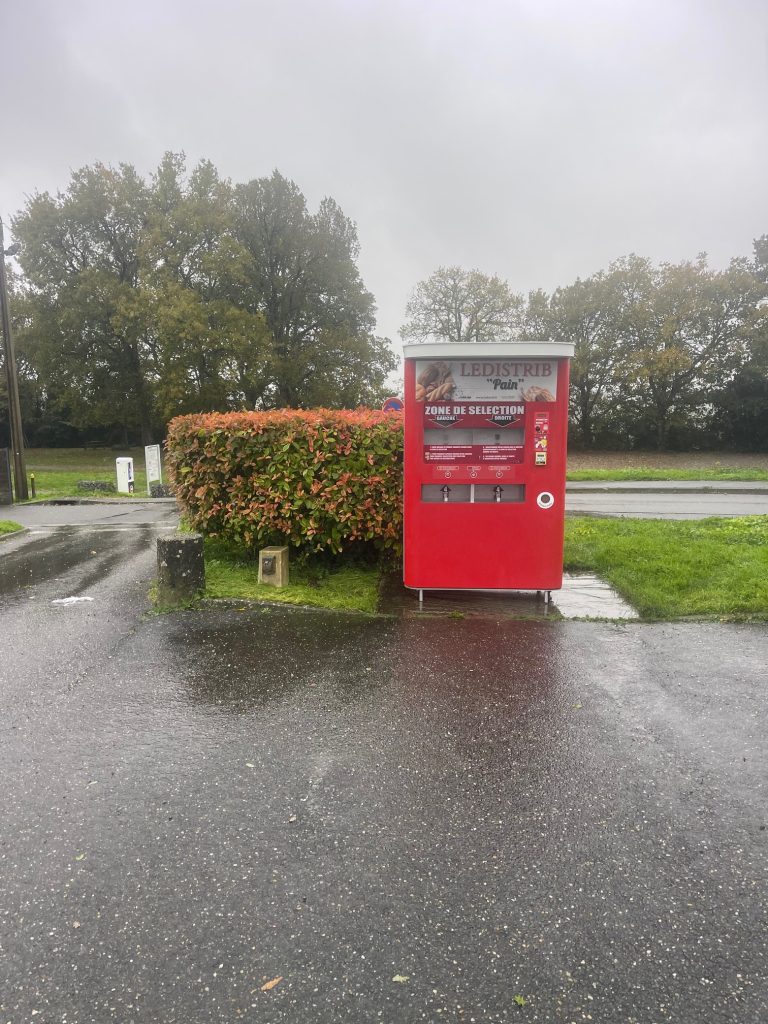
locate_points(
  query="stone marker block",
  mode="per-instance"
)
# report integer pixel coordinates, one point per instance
(180, 568)
(273, 567)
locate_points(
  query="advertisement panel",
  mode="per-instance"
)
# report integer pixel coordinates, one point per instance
(479, 395)
(486, 380)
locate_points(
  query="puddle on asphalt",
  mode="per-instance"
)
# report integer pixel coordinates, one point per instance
(468, 685)
(582, 596)
(268, 655)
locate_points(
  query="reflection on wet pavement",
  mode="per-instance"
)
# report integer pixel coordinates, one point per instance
(195, 804)
(239, 663)
(77, 558)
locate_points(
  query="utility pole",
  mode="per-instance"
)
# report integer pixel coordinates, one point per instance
(14, 406)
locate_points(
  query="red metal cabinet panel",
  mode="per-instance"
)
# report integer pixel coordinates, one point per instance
(477, 418)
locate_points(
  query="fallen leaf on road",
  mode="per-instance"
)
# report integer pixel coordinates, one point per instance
(271, 984)
(521, 1000)
(401, 978)
(80, 856)
(249, 765)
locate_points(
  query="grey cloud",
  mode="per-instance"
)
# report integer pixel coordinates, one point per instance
(537, 140)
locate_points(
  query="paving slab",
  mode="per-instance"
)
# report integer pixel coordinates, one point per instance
(586, 596)
(582, 596)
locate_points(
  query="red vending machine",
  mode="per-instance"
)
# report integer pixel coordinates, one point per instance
(485, 457)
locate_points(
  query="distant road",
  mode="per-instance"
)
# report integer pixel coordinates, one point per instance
(674, 499)
(115, 514)
(639, 500)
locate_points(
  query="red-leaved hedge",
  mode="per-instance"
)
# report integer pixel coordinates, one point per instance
(320, 480)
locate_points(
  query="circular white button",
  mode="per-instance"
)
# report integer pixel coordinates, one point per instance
(545, 500)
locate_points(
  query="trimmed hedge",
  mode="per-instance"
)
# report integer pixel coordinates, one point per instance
(320, 480)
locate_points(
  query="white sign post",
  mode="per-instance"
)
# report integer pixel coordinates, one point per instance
(154, 465)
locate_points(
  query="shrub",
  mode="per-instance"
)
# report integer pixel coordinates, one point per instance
(320, 480)
(95, 486)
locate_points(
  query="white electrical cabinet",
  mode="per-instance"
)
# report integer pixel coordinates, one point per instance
(124, 469)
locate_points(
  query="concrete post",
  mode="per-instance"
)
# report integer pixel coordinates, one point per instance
(180, 569)
(273, 566)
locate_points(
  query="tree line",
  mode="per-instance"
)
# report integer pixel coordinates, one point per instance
(137, 299)
(669, 356)
(140, 299)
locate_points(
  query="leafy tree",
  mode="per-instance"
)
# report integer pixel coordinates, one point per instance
(303, 279)
(741, 410)
(687, 331)
(585, 314)
(462, 306)
(657, 349)
(80, 258)
(740, 415)
(185, 293)
(208, 351)
(29, 392)
(760, 261)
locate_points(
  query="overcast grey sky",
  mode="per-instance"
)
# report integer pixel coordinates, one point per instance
(535, 139)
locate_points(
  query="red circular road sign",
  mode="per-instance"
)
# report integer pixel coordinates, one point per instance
(392, 405)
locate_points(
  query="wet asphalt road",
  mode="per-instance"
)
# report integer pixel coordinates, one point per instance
(666, 504)
(118, 513)
(636, 499)
(199, 803)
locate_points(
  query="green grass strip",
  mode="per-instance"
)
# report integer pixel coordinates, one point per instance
(8, 526)
(58, 470)
(706, 568)
(231, 573)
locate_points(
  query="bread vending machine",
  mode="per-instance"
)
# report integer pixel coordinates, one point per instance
(485, 457)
